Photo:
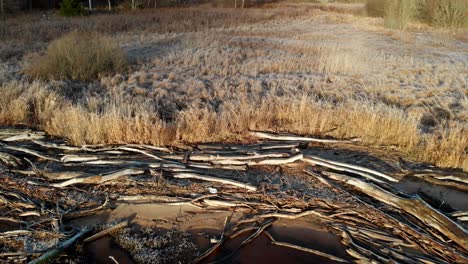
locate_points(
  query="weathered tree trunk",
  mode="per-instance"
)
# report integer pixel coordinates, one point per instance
(90, 5)
(243, 2)
(109, 2)
(235, 3)
(413, 206)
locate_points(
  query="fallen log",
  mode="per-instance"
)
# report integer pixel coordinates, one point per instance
(76, 158)
(30, 152)
(354, 168)
(99, 179)
(205, 157)
(266, 135)
(413, 206)
(24, 136)
(453, 178)
(214, 179)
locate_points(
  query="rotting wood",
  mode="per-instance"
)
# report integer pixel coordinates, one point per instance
(413, 206)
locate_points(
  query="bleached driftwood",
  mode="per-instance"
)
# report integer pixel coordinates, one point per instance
(77, 158)
(30, 152)
(214, 179)
(135, 150)
(24, 136)
(100, 179)
(151, 198)
(413, 206)
(9, 160)
(453, 178)
(269, 161)
(204, 157)
(346, 169)
(266, 135)
(351, 166)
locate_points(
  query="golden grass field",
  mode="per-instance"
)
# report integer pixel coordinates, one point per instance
(210, 74)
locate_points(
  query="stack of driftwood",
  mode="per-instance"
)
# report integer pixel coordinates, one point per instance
(45, 183)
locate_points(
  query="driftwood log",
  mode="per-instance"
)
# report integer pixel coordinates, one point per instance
(413, 206)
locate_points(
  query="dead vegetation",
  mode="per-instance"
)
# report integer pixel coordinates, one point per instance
(277, 69)
(39, 207)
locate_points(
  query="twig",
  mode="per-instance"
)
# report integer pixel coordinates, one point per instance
(308, 250)
(212, 249)
(106, 232)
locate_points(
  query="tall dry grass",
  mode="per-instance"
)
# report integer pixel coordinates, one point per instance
(118, 122)
(445, 13)
(398, 13)
(438, 13)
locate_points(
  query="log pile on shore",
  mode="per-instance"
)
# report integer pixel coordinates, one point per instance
(46, 183)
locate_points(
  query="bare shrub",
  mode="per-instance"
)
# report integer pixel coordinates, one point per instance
(446, 13)
(78, 56)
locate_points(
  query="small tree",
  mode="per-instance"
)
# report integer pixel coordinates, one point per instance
(71, 8)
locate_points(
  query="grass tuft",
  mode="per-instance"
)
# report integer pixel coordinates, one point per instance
(446, 13)
(78, 56)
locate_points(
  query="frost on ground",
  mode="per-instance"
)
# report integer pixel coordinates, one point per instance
(288, 68)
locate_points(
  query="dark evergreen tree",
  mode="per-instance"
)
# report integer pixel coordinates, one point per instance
(71, 8)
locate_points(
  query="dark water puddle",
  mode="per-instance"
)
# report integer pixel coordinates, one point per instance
(440, 197)
(98, 252)
(260, 250)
